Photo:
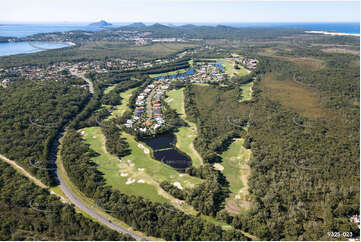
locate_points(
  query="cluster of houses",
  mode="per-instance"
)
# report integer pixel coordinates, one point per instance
(208, 73)
(148, 112)
(50, 72)
(249, 63)
(59, 71)
(90, 36)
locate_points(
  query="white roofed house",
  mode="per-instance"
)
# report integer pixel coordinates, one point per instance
(5, 83)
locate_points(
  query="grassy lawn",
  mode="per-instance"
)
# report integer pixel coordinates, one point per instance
(106, 91)
(229, 69)
(191, 63)
(246, 91)
(185, 135)
(168, 73)
(139, 168)
(112, 168)
(233, 158)
(88, 201)
(156, 169)
(123, 107)
(154, 172)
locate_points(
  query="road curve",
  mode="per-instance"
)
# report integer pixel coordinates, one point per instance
(64, 187)
(91, 86)
(90, 211)
(69, 193)
(66, 190)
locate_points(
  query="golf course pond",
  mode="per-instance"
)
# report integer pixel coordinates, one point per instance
(165, 151)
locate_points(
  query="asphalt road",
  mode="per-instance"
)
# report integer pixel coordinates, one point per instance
(73, 197)
(91, 86)
(90, 211)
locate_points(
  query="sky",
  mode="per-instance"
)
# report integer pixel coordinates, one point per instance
(177, 11)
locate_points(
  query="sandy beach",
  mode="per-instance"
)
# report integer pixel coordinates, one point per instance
(331, 33)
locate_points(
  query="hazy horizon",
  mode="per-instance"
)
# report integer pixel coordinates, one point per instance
(178, 11)
(169, 22)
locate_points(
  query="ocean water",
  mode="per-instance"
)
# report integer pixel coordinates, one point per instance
(351, 28)
(22, 30)
(15, 48)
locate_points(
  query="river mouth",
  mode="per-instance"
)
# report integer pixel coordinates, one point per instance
(164, 150)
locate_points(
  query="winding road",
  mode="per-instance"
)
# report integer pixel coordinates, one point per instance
(64, 186)
(88, 210)
(91, 86)
(71, 195)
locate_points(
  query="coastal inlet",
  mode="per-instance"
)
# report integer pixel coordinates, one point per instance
(14, 48)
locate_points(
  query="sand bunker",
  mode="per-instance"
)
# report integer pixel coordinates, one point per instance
(130, 181)
(94, 137)
(140, 169)
(177, 184)
(82, 132)
(181, 175)
(130, 163)
(140, 181)
(123, 174)
(238, 197)
(218, 167)
(146, 150)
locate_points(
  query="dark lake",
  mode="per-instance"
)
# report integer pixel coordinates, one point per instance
(165, 151)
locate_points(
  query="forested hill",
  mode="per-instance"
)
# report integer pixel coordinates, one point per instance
(213, 32)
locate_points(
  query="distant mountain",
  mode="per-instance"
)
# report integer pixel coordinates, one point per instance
(101, 23)
(188, 26)
(158, 25)
(136, 25)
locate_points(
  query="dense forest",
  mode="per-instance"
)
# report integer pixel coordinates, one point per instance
(30, 213)
(219, 117)
(305, 165)
(190, 31)
(31, 115)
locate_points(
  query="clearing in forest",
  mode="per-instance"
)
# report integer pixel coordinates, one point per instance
(119, 110)
(302, 99)
(236, 170)
(246, 91)
(185, 135)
